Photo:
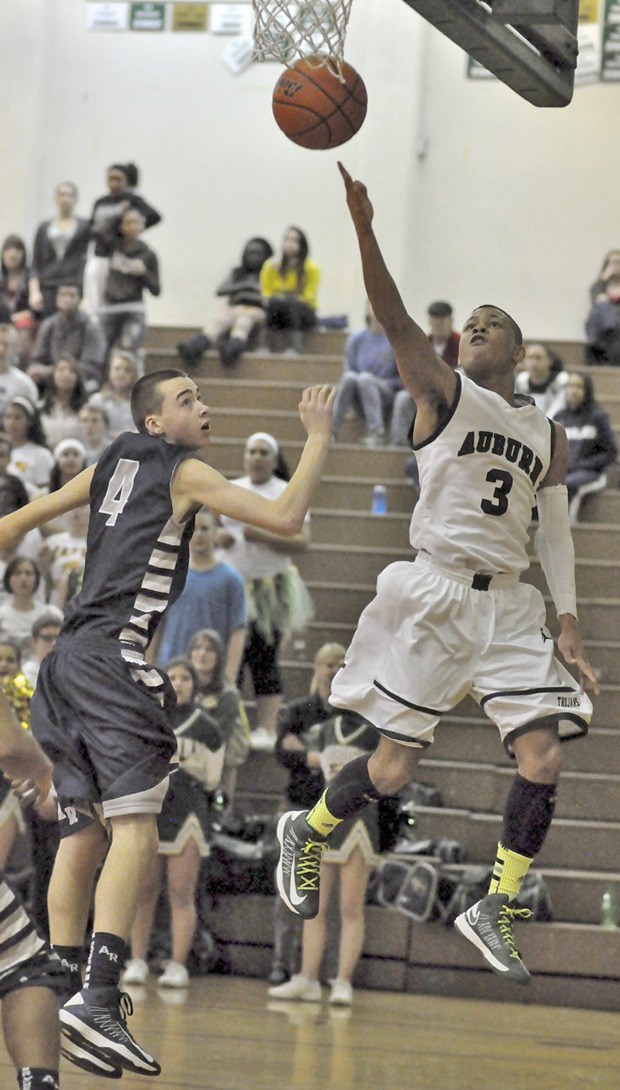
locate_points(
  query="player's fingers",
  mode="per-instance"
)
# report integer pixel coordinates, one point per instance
(345, 174)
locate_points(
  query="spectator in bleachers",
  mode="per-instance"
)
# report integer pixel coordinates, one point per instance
(369, 381)
(13, 381)
(59, 251)
(45, 632)
(17, 615)
(69, 460)
(184, 827)
(31, 459)
(63, 556)
(278, 601)
(94, 431)
(342, 738)
(11, 818)
(289, 287)
(541, 378)
(603, 326)
(242, 316)
(63, 397)
(69, 332)
(591, 442)
(122, 179)
(14, 295)
(115, 396)
(13, 494)
(297, 750)
(213, 597)
(133, 268)
(610, 267)
(222, 701)
(445, 341)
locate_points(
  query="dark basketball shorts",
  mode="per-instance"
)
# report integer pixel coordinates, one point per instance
(44, 970)
(109, 739)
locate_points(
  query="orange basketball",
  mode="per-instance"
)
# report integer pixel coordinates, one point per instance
(314, 109)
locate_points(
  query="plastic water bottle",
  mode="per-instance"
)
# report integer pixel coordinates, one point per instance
(609, 910)
(379, 500)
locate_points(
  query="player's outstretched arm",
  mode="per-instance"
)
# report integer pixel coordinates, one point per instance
(556, 552)
(21, 758)
(74, 494)
(196, 483)
(427, 378)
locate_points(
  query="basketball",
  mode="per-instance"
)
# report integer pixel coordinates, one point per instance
(315, 109)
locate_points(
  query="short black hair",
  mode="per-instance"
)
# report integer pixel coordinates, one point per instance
(12, 567)
(146, 396)
(440, 309)
(518, 335)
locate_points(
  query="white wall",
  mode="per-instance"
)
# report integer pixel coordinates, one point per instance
(510, 203)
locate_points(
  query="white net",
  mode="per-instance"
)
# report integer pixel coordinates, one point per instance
(288, 30)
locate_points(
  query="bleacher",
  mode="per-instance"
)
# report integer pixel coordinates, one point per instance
(573, 960)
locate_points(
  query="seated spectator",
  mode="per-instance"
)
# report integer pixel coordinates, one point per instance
(297, 749)
(13, 381)
(63, 397)
(132, 269)
(445, 341)
(31, 460)
(69, 332)
(603, 326)
(13, 494)
(289, 287)
(541, 379)
(94, 431)
(14, 280)
(184, 828)
(69, 460)
(591, 442)
(213, 597)
(369, 381)
(122, 179)
(59, 252)
(610, 267)
(115, 396)
(222, 701)
(63, 556)
(45, 632)
(17, 615)
(243, 314)
(11, 818)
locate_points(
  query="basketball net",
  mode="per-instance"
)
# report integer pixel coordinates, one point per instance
(291, 30)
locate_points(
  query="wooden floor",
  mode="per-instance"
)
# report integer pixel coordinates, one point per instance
(225, 1034)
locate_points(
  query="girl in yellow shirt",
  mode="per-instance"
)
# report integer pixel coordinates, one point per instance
(289, 286)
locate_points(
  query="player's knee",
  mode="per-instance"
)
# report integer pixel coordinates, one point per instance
(539, 757)
(392, 766)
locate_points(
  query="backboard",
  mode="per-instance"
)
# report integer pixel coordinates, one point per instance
(531, 45)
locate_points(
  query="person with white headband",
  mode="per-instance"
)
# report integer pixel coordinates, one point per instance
(278, 602)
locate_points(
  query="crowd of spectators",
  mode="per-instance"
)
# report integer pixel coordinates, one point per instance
(72, 328)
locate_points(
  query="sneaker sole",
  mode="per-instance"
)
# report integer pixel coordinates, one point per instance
(465, 929)
(88, 1061)
(85, 1037)
(279, 872)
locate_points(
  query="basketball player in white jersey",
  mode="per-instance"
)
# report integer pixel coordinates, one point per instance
(457, 620)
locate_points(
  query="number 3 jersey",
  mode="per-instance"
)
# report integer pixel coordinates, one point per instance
(479, 474)
(137, 553)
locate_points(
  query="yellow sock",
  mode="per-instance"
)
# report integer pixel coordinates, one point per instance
(509, 871)
(321, 819)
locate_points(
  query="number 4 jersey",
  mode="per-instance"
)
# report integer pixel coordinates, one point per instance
(137, 553)
(479, 475)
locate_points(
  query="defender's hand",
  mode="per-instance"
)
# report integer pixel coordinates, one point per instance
(316, 410)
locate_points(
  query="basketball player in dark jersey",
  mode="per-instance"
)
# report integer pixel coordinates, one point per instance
(99, 710)
(31, 974)
(457, 619)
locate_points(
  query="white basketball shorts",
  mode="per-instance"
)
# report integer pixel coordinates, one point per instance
(430, 637)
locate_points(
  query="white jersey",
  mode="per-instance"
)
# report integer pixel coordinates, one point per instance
(479, 475)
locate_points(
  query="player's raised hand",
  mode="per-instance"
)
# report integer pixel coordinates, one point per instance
(316, 410)
(358, 200)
